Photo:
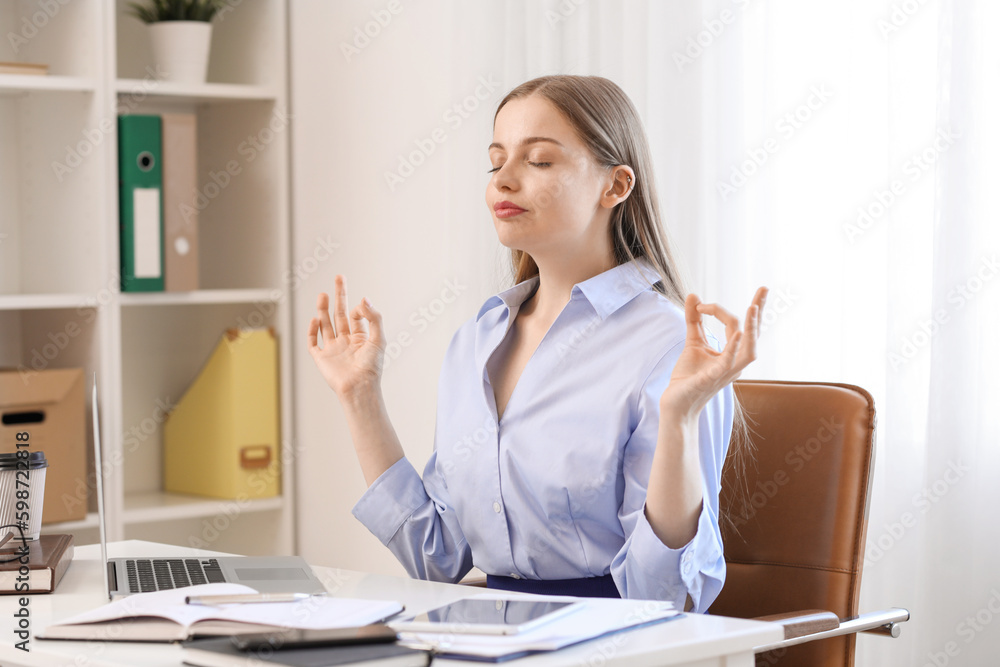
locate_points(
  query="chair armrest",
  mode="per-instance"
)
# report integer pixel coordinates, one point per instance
(889, 628)
(799, 623)
(880, 622)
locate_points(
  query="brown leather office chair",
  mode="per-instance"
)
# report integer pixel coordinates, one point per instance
(797, 538)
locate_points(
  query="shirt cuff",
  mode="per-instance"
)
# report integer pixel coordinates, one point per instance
(391, 500)
(688, 561)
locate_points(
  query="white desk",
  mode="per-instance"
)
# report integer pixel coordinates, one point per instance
(695, 640)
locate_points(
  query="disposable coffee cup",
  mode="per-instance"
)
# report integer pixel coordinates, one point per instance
(18, 501)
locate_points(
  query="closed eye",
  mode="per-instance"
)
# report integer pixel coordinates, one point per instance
(533, 164)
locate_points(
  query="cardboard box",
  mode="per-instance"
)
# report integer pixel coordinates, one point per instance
(50, 406)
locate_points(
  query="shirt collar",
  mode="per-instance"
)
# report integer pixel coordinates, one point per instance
(606, 292)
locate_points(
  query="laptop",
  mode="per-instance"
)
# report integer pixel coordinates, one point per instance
(126, 576)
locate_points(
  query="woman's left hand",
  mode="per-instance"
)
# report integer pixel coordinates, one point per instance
(701, 372)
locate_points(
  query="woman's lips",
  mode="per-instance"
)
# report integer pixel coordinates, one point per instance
(506, 209)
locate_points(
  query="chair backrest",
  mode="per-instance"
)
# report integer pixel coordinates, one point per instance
(798, 537)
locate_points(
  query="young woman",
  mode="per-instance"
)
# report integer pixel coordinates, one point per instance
(583, 414)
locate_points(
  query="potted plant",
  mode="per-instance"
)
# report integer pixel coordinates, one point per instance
(180, 34)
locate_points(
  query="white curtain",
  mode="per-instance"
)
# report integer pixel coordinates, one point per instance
(842, 154)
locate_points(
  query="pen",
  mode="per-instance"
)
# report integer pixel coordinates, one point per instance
(245, 598)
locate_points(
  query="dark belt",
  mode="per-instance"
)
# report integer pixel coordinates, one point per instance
(589, 587)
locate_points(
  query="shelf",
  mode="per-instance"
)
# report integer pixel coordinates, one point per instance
(162, 506)
(60, 301)
(13, 84)
(45, 301)
(90, 521)
(217, 296)
(194, 92)
(199, 297)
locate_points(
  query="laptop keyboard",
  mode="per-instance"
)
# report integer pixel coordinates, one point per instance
(160, 574)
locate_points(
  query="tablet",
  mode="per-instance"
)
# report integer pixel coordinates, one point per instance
(486, 616)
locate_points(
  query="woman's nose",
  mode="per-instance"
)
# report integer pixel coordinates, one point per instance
(505, 178)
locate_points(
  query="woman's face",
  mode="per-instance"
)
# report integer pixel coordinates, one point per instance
(540, 165)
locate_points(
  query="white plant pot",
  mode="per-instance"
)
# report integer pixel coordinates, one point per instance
(180, 49)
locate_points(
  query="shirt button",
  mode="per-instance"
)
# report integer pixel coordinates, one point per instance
(515, 575)
(499, 605)
(496, 507)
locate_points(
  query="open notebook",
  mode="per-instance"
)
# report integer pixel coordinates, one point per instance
(163, 616)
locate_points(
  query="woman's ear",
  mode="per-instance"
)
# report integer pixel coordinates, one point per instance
(619, 186)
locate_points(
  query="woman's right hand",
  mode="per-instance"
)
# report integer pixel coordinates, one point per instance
(351, 358)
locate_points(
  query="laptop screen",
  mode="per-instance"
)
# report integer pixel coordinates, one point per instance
(99, 477)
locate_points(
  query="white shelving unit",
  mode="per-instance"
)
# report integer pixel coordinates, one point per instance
(59, 257)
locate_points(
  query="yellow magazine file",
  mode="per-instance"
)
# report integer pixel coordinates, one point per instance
(221, 440)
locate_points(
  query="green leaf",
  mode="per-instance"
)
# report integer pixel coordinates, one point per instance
(176, 10)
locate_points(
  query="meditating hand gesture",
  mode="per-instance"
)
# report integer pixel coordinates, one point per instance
(351, 358)
(701, 372)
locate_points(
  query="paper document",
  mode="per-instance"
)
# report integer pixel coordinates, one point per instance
(598, 617)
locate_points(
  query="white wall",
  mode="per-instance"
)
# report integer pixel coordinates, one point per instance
(356, 114)
(403, 247)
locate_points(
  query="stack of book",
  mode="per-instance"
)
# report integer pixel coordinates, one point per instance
(224, 653)
(23, 68)
(348, 629)
(47, 559)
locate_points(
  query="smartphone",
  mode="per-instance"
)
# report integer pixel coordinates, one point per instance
(295, 638)
(486, 616)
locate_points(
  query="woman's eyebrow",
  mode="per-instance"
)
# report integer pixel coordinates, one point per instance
(529, 140)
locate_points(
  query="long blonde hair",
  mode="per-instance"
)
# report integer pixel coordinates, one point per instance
(609, 125)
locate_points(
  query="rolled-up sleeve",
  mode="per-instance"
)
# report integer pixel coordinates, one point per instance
(645, 567)
(414, 518)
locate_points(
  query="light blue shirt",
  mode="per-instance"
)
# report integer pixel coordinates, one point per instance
(557, 488)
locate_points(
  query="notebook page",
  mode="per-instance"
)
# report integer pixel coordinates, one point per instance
(164, 604)
(315, 612)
